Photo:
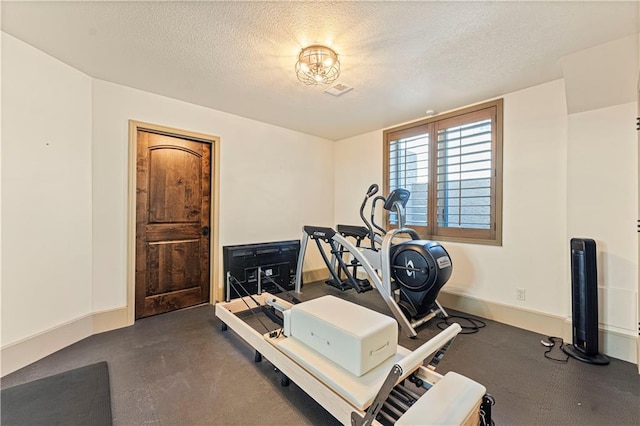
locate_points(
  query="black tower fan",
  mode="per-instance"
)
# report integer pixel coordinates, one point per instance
(584, 303)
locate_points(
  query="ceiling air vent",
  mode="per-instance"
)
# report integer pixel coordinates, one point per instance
(338, 89)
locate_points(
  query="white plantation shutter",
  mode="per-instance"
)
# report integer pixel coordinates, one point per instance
(452, 166)
(465, 172)
(409, 169)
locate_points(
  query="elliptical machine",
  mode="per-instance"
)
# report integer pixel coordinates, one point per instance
(408, 275)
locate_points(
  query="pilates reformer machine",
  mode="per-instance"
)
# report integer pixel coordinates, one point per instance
(408, 274)
(346, 358)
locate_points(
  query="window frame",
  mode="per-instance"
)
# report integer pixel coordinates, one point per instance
(492, 109)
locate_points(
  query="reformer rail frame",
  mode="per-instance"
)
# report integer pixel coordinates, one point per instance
(266, 346)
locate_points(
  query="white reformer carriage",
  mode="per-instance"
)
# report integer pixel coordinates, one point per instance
(346, 357)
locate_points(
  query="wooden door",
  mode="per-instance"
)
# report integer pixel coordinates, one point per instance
(173, 205)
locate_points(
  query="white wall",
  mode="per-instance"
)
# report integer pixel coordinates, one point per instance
(602, 204)
(46, 192)
(64, 187)
(358, 164)
(602, 76)
(602, 173)
(272, 180)
(535, 249)
(533, 254)
(1, 43)
(564, 176)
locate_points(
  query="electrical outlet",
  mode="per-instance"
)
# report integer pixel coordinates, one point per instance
(521, 294)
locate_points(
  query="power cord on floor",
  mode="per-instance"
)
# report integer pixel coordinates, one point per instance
(475, 326)
(551, 343)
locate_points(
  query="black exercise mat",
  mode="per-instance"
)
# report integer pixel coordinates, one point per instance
(78, 397)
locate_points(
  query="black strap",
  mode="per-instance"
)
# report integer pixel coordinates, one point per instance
(232, 278)
(266, 277)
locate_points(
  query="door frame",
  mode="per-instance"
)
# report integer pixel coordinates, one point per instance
(215, 291)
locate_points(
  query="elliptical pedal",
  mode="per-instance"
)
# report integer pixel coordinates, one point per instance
(365, 285)
(342, 286)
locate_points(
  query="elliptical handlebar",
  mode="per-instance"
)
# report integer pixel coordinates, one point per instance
(373, 213)
(373, 190)
(396, 201)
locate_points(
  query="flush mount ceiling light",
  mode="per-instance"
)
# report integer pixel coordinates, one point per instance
(317, 64)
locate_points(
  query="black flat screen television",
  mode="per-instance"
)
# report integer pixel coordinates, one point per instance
(278, 261)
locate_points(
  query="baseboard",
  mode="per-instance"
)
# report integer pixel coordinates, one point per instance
(30, 349)
(614, 343)
(315, 275)
(538, 322)
(110, 319)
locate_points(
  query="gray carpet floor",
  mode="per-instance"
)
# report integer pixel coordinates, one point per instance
(181, 369)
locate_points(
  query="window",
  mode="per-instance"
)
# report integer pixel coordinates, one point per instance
(452, 164)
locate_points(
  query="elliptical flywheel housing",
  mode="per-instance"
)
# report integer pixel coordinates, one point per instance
(420, 268)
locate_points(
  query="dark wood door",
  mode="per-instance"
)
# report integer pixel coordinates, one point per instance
(173, 205)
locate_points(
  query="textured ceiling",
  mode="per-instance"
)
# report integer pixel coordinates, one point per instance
(402, 58)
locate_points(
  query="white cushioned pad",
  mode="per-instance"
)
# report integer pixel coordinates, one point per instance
(356, 338)
(449, 402)
(359, 391)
